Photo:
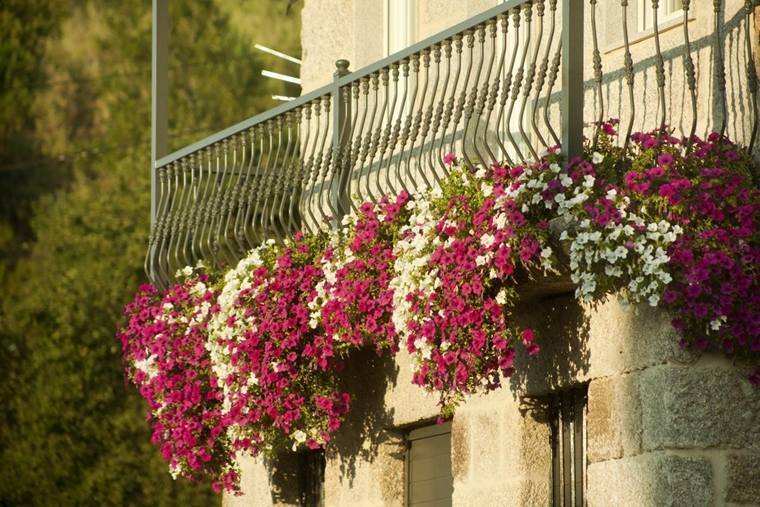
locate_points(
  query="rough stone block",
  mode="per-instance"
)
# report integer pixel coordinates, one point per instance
(486, 444)
(604, 435)
(534, 454)
(579, 343)
(404, 401)
(460, 448)
(697, 407)
(743, 472)
(254, 483)
(653, 479)
(613, 418)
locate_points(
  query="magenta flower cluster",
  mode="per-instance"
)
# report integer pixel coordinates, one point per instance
(706, 188)
(164, 347)
(358, 301)
(284, 370)
(462, 331)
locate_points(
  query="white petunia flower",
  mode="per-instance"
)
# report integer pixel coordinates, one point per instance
(487, 240)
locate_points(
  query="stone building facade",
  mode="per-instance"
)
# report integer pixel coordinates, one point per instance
(650, 424)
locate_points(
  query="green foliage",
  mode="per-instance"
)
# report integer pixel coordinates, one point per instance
(79, 435)
(75, 87)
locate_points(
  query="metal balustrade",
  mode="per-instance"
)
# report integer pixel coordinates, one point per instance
(503, 86)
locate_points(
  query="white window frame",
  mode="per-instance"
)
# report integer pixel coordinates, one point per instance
(667, 11)
(400, 20)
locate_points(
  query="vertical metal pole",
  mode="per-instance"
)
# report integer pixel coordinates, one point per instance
(159, 94)
(340, 136)
(579, 446)
(566, 417)
(572, 78)
(555, 419)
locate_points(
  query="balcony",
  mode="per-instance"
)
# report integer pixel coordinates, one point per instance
(504, 86)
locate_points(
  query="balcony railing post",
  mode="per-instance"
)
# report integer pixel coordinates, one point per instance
(340, 136)
(572, 78)
(159, 107)
(159, 92)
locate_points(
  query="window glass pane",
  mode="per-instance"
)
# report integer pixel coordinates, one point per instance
(667, 10)
(429, 480)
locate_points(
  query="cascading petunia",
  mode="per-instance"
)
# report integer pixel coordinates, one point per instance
(250, 362)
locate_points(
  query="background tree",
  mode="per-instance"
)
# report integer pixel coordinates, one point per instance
(74, 148)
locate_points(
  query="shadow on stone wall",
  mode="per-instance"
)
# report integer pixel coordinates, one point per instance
(366, 377)
(562, 330)
(283, 478)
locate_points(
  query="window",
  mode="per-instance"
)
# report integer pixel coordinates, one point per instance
(311, 478)
(640, 20)
(668, 10)
(567, 413)
(400, 25)
(428, 466)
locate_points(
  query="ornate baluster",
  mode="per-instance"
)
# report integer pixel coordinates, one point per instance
(470, 104)
(150, 264)
(324, 164)
(341, 149)
(213, 182)
(181, 257)
(390, 138)
(303, 169)
(517, 84)
(257, 181)
(289, 212)
(234, 245)
(406, 133)
(720, 71)
(628, 70)
(179, 221)
(659, 67)
(418, 118)
(749, 9)
(213, 244)
(270, 202)
(507, 87)
(449, 110)
(361, 93)
(530, 74)
(428, 117)
(396, 134)
(311, 173)
(295, 219)
(543, 69)
(200, 208)
(597, 62)
(164, 227)
(388, 113)
(267, 187)
(244, 196)
(375, 131)
(553, 73)
(276, 213)
(493, 92)
(227, 253)
(462, 101)
(439, 111)
(484, 96)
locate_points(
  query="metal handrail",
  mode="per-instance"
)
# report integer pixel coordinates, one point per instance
(484, 88)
